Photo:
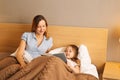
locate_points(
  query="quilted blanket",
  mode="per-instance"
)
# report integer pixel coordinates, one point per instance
(43, 68)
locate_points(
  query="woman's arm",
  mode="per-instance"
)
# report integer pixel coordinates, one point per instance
(48, 50)
(19, 54)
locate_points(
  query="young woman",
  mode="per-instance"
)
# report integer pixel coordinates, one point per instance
(72, 61)
(35, 43)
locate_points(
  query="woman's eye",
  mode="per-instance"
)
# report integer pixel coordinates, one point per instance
(38, 26)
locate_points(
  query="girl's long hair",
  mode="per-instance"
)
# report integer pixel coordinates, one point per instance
(75, 58)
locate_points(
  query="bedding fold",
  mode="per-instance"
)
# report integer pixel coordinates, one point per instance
(46, 68)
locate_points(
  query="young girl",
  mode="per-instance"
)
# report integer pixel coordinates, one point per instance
(72, 61)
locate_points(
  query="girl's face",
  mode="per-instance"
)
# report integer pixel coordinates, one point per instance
(69, 52)
(41, 28)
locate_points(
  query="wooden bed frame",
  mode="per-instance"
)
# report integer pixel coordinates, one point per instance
(94, 38)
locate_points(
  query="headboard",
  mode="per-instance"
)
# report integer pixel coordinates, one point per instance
(94, 38)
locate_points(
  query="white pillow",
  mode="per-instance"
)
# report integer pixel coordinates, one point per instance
(14, 53)
(84, 55)
(27, 57)
(90, 70)
(57, 50)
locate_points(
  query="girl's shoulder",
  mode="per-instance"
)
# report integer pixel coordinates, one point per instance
(71, 61)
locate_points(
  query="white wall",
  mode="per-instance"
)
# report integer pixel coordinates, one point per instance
(84, 13)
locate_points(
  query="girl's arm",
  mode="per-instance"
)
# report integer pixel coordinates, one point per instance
(19, 54)
(76, 68)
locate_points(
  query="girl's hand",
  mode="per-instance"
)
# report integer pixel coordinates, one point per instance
(68, 63)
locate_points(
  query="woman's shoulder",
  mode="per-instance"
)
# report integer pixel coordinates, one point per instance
(28, 33)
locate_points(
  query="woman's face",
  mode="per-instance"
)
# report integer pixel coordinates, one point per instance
(69, 52)
(41, 28)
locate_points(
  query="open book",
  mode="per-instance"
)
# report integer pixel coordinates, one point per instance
(60, 55)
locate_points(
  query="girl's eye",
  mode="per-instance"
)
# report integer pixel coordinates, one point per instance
(43, 26)
(70, 51)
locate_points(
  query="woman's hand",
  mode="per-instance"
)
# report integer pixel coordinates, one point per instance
(23, 64)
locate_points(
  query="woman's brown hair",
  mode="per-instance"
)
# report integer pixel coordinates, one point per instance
(36, 21)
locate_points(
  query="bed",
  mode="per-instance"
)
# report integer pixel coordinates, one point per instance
(94, 38)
